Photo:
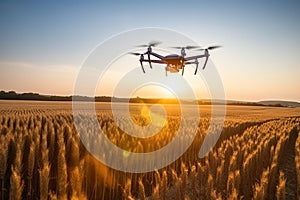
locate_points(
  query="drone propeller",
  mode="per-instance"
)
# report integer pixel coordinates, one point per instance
(214, 47)
(150, 44)
(136, 54)
(183, 54)
(187, 47)
(209, 48)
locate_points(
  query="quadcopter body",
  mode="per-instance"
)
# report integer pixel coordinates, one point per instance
(174, 62)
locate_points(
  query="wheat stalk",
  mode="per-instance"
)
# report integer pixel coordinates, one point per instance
(44, 181)
(61, 170)
(142, 195)
(3, 166)
(297, 161)
(31, 161)
(127, 191)
(16, 185)
(280, 189)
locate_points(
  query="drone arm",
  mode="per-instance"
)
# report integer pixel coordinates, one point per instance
(157, 55)
(188, 63)
(194, 57)
(155, 61)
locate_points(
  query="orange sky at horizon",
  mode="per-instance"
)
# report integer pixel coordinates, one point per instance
(42, 52)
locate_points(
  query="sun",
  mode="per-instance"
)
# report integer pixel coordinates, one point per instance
(153, 91)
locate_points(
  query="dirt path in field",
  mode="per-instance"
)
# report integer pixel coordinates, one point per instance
(288, 166)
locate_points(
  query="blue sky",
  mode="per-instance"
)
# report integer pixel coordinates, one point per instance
(42, 45)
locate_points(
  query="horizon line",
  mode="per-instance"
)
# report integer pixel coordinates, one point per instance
(149, 98)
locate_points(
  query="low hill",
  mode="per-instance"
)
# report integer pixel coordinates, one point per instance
(280, 103)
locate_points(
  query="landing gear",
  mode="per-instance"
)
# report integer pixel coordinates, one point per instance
(206, 58)
(141, 61)
(149, 60)
(205, 63)
(197, 63)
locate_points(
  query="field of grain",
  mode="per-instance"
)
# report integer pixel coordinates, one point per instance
(42, 157)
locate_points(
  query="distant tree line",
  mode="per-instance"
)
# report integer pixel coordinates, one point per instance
(12, 95)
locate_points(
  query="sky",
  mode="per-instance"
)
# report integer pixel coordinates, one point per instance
(44, 44)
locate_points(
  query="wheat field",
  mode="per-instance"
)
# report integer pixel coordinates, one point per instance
(42, 157)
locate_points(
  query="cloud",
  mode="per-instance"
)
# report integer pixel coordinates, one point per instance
(32, 77)
(14, 64)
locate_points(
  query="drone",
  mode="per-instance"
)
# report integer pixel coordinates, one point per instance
(174, 62)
